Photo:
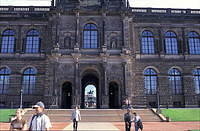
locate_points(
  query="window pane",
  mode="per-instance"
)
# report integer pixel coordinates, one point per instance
(147, 43)
(171, 45)
(90, 38)
(32, 42)
(175, 81)
(8, 41)
(150, 81)
(29, 82)
(196, 77)
(4, 80)
(194, 43)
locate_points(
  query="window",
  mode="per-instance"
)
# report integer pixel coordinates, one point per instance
(4, 80)
(8, 42)
(150, 80)
(32, 42)
(175, 81)
(29, 79)
(196, 77)
(171, 45)
(148, 46)
(194, 43)
(90, 36)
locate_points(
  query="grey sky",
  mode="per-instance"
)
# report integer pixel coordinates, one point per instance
(195, 4)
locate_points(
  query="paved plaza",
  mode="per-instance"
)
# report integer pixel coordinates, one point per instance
(119, 126)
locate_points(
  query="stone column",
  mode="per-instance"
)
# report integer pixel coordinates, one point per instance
(19, 42)
(126, 31)
(77, 37)
(105, 89)
(77, 89)
(124, 65)
(53, 91)
(127, 72)
(103, 31)
(161, 42)
(184, 42)
(105, 96)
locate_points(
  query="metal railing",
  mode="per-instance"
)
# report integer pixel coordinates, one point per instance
(25, 9)
(166, 11)
(134, 10)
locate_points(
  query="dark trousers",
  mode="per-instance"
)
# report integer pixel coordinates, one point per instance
(75, 124)
(136, 128)
(128, 126)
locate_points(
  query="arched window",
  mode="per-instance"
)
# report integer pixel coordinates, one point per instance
(148, 45)
(4, 80)
(171, 44)
(175, 81)
(29, 80)
(8, 41)
(150, 80)
(90, 36)
(32, 44)
(196, 76)
(194, 43)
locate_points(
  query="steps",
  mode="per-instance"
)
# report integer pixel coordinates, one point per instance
(95, 115)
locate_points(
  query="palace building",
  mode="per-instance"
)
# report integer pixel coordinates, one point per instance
(97, 53)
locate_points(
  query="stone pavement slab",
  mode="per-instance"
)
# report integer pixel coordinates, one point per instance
(164, 126)
(93, 126)
(119, 126)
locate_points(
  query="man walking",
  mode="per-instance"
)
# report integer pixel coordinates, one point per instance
(127, 120)
(76, 116)
(39, 121)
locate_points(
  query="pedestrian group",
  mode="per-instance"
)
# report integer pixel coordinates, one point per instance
(41, 122)
(132, 117)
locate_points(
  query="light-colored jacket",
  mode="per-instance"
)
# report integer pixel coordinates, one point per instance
(39, 123)
(76, 115)
(137, 118)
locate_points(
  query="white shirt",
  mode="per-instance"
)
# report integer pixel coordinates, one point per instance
(137, 118)
(39, 123)
(76, 115)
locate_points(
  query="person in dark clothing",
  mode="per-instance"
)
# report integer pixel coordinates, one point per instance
(127, 120)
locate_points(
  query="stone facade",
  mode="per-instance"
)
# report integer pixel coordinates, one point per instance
(117, 64)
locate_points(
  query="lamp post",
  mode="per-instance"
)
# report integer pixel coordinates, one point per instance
(21, 95)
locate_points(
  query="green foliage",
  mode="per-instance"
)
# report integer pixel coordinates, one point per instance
(6, 114)
(182, 114)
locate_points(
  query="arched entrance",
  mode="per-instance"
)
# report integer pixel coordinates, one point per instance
(90, 84)
(90, 97)
(66, 95)
(114, 95)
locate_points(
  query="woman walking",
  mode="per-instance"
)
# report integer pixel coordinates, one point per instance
(18, 124)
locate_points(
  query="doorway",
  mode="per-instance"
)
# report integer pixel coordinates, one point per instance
(66, 95)
(114, 96)
(90, 98)
(90, 92)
